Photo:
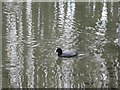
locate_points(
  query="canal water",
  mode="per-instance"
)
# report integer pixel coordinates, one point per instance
(32, 31)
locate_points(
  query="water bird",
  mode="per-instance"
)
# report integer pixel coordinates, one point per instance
(66, 53)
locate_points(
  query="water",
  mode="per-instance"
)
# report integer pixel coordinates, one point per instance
(32, 31)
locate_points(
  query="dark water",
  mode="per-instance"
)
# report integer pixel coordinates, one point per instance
(31, 32)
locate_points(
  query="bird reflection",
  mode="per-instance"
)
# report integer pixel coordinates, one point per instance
(59, 61)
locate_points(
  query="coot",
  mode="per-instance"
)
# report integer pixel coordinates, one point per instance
(66, 53)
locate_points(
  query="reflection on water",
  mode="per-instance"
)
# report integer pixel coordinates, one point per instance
(66, 20)
(30, 49)
(32, 31)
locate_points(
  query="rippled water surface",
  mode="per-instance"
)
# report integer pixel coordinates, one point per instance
(32, 31)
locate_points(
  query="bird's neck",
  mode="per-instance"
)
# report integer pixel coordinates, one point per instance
(60, 53)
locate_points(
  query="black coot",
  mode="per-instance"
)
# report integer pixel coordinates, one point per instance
(66, 53)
